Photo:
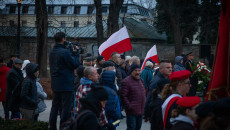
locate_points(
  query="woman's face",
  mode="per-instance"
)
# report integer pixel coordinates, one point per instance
(36, 74)
(191, 113)
(184, 87)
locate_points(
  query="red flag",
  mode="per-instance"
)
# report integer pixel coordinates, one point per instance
(117, 42)
(219, 83)
(152, 54)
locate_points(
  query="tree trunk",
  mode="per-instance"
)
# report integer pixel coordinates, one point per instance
(99, 24)
(177, 37)
(42, 30)
(113, 18)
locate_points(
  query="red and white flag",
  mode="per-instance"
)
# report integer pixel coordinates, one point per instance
(152, 54)
(117, 42)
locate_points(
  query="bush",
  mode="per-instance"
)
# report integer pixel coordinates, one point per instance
(22, 125)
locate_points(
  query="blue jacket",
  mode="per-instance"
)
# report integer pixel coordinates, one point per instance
(147, 76)
(112, 107)
(178, 66)
(62, 65)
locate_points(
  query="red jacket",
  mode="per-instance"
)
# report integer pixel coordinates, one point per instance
(3, 73)
(133, 95)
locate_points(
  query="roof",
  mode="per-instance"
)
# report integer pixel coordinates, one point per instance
(136, 29)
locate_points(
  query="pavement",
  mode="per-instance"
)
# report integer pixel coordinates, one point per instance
(44, 116)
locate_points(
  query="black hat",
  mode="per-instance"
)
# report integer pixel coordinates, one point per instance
(133, 67)
(99, 92)
(222, 107)
(123, 57)
(205, 109)
(99, 58)
(18, 61)
(107, 64)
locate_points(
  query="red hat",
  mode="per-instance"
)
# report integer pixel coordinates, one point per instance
(179, 75)
(188, 101)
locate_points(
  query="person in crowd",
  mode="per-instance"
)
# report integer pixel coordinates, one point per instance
(14, 79)
(12, 58)
(184, 116)
(220, 116)
(122, 68)
(127, 66)
(188, 66)
(178, 87)
(155, 111)
(90, 76)
(122, 58)
(112, 107)
(79, 75)
(29, 95)
(62, 64)
(89, 113)
(116, 59)
(178, 64)
(88, 61)
(99, 64)
(133, 87)
(3, 73)
(147, 75)
(136, 60)
(165, 69)
(25, 62)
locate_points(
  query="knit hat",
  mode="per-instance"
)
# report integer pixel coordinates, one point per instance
(107, 64)
(133, 67)
(99, 58)
(205, 109)
(99, 92)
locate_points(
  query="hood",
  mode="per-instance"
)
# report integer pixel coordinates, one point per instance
(178, 59)
(108, 78)
(25, 62)
(181, 118)
(4, 69)
(31, 68)
(85, 81)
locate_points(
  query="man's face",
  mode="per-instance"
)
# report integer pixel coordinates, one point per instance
(192, 113)
(117, 59)
(190, 56)
(136, 73)
(94, 75)
(138, 62)
(102, 61)
(36, 74)
(166, 69)
(19, 66)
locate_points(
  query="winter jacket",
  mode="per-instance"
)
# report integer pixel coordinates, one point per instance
(133, 95)
(123, 73)
(41, 97)
(3, 72)
(182, 122)
(112, 107)
(156, 114)
(29, 96)
(10, 64)
(14, 79)
(178, 66)
(147, 76)
(62, 65)
(118, 74)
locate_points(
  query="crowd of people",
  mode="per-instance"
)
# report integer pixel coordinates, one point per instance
(94, 92)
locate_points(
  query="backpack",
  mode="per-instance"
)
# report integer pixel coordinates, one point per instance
(72, 122)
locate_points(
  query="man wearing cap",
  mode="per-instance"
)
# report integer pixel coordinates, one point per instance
(179, 86)
(13, 89)
(184, 116)
(133, 98)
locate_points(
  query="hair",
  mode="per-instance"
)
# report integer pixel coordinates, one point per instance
(135, 59)
(180, 110)
(59, 36)
(114, 54)
(157, 90)
(149, 64)
(215, 123)
(127, 58)
(163, 62)
(88, 71)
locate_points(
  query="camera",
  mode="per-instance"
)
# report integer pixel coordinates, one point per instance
(72, 47)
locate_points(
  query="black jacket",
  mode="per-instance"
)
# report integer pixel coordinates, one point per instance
(118, 74)
(29, 89)
(13, 87)
(156, 114)
(182, 126)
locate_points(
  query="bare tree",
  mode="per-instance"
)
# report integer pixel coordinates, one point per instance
(113, 18)
(42, 32)
(99, 24)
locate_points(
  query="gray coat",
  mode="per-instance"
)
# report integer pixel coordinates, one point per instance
(41, 96)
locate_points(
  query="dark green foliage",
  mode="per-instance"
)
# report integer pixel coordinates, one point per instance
(22, 125)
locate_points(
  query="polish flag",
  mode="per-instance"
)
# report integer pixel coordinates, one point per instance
(152, 54)
(117, 42)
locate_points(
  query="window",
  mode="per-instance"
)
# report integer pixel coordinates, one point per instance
(24, 23)
(25, 9)
(50, 9)
(11, 23)
(63, 9)
(89, 22)
(104, 9)
(63, 24)
(124, 9)
(76, 23)
(50, 23)
(12, 9)
(77, 9)
(90, 10)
